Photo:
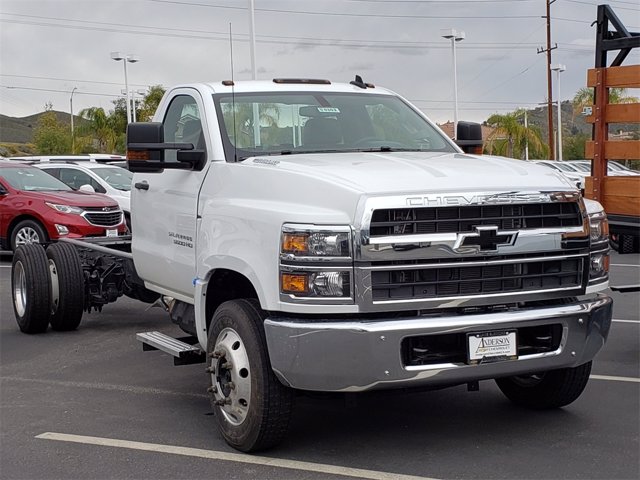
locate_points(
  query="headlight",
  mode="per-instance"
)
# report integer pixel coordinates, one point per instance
(316, 262)
(599, 227)
(314, 241)
(316, 284)
(65, 208)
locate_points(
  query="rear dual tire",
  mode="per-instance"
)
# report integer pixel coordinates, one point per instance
(47, 287)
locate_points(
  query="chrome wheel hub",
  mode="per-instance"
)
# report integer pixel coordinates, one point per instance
(55, 286)
(231, 376)
(19, 288)
(27, 235)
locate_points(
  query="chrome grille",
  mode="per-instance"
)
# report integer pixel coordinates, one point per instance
(104, 219)
(469, 280)
(456, 219)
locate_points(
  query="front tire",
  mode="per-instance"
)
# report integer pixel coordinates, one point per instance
(31, 288)
(27, 232)
(551, 389)
(67, 286)
(252, 408)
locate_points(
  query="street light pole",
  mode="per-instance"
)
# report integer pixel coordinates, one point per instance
(117, 56)
(454, 36)
(559, 69)
(71, 109)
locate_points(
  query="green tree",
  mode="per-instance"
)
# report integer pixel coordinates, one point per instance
(584, 97)
(100, 128)
(574, 146)
(510, 137)
(51, 137)
(147, 108)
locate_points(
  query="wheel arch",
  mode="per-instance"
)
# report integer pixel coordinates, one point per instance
(25, 216)
(224, 285)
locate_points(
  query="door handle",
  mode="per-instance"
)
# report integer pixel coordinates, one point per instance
(142, 185)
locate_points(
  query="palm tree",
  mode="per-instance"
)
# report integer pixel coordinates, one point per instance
(584, 97)
(510, 136)
(100, 127)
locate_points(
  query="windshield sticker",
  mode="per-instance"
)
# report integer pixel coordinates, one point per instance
(328, 110)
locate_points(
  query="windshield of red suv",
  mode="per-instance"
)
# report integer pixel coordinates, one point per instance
(281, 123)
(31, 179)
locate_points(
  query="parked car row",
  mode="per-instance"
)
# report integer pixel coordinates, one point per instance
(577, 170)
(48, 198)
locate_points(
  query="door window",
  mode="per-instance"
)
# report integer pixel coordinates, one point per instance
(182, 124)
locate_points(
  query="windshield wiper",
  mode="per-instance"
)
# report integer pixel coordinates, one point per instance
(385, 148)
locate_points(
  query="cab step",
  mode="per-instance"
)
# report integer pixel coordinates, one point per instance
(183, 352)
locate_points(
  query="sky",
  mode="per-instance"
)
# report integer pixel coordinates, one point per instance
(50, 47)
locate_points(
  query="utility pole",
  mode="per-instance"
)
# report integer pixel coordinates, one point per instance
(547, 50)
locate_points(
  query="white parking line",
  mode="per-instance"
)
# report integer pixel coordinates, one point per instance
(625, 321)
(624, 265)
(615, 379)
(230, 457)
(5, 266)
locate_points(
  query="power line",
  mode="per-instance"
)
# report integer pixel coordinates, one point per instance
(78, 92)
(33, 77)
(344, 14)
(596, 4)
(306, 41)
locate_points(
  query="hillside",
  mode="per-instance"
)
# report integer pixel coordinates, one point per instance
(20, 130)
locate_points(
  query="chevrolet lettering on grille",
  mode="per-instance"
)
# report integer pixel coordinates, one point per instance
(486, 238)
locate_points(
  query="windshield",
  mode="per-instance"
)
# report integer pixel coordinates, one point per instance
(582, 166)
(311, 122)
(565, 167)
(31, 179)
(117, 177)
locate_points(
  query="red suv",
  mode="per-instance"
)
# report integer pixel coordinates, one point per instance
(37, 208)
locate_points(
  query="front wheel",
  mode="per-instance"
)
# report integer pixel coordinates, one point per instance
(551, 389)
(252, 408)
(27, 232)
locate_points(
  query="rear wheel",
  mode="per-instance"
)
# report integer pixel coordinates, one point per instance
(27, 232)
(67, 286)
(31, 288)
(551, 389)
(251, 406)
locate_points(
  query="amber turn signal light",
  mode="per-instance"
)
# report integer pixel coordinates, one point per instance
(294, 243)
(137, 154)
(294, 283)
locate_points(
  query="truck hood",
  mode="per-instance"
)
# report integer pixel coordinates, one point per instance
(380, 173)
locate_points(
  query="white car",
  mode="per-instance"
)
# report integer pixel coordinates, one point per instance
(104, 178)
(613, 168)
(571, 172)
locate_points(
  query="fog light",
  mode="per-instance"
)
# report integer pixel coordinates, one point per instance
(62, 230)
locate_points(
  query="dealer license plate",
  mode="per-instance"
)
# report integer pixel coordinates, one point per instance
(492, 346)
(112, 233)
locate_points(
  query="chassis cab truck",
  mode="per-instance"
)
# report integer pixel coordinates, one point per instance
(312, 236)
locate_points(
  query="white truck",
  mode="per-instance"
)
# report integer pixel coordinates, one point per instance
(313, 236)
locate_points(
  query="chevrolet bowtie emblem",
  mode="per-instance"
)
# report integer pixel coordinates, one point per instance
(485, 238)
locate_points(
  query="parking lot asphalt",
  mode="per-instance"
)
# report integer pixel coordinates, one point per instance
(90, 404)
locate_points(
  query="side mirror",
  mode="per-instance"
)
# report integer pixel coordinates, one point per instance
(146, 147)
(87, 188)
(469, 137)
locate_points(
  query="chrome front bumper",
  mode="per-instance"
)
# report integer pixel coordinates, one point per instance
(353, 356)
